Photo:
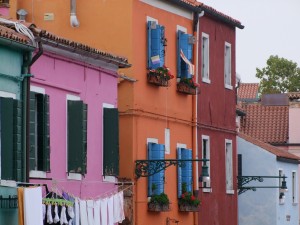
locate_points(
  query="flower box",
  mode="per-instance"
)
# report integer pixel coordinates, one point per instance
(157, 80)
(188, 208)
(154, 207)
(186, 89)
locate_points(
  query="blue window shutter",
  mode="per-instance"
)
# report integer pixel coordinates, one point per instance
(155, 39)
(187, 48)
(179, 174)
(187, 173)
(156, 151)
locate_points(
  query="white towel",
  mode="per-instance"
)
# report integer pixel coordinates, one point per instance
(103, 211)
(56, 217)
(83, 213)
(110, 204)
(77, 214)
(122, 214)
(90, 211)
(49, 214)
(97, 212)
(119, 207)
(33, 209)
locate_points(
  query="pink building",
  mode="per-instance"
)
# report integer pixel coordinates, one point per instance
(74, 118)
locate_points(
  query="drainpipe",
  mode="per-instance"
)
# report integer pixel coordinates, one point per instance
(26, 84)
(195, 108)
(73, 18)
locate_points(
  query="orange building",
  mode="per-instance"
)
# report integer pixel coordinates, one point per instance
(157, 114)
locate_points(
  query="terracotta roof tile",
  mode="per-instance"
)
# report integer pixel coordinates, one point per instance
(270, 148)
(293, 95)
(266, 123)
(11, 34)
(248, 91)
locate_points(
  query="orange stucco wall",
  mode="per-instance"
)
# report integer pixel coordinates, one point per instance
(119, 27)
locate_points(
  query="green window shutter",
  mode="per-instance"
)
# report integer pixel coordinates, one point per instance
(18, 165)
(111, 142)
(32, 132)
(77, 137)
(7, 112)
(43, 132)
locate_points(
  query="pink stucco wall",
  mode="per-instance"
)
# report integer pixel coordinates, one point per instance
(4, 11)
(61, 77)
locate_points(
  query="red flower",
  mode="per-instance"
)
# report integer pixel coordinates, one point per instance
(193, 198)
(182, 196)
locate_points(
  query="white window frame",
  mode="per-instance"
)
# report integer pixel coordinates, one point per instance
(37, 173)
(71, 176)
(205, 55)
(109, 179)
(280, 174)
(229, 166)
(227, 66)
(167, 141)
(12, 183)
(207, 184)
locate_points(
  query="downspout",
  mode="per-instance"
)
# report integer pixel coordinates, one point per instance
(73, 18)
(195, 109)
(26, 83)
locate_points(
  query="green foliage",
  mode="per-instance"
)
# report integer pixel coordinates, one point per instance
(279, 76)
(187, 198)
(161, 199)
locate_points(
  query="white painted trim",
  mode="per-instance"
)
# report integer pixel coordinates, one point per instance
(180, 145)
(205, 79)
(164, 5)
(152, 140)
(36, 89)
(5, 94)
(206, 137)
(167, 141)
(229, 141)
(8, 183)
(74, 176)
(37, 174)
(152, 19)
(231, 192)
(228, 85)
(207, 190)
(109, 179)
(181, 28)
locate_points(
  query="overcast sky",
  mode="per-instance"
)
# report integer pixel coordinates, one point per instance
(272, 27)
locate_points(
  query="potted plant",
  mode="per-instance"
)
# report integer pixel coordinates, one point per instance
(158, 202)
(159, 76)
(187, 86)
(187, 201)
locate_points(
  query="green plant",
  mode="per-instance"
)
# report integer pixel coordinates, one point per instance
(161, 199)
(187, 198)
(163, 72)
(189, 81)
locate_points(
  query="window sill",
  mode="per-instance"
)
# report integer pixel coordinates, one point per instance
(37, 174)
(207, 190)
(8, 183)
(227, 86)
(110, 179)
(206, 80)
(230, 192)
(295, 203)
(74, 176)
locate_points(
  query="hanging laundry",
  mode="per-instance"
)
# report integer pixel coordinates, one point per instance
(56, 217)
(97, 212)
(118, 207)
(33, 214)
(44, 211)
(110, 204)
(83, 212)
(103, 211)
(90, 211)
(63, 216)
(77, 214)
(49, 214)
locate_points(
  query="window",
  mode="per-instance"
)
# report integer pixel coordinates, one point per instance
(156, 45)
(185, 68)
(184, 175)
(167, 140)
(206, 155)
(110, 142)
(281, 194)
(39, 156)
(205, 58)
(156, 181)
(228, 165)
(227, 67)
(77, 136)
(10, 138)
(294, 186)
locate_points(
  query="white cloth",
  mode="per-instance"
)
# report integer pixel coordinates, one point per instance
(33, 206)
(56, 217)
(122, 214)
(49, 214)
(44, 211)
(63, 216)
(97, 212)
(77, 214)
(119, 207)
(103, 211)
(83, 212)
(110, 204)
(190, 65)
(90, 211)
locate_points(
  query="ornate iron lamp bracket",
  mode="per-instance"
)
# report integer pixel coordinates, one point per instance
(243, 180)
(146, 168)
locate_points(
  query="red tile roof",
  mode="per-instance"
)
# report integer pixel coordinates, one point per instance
(248, 91)
(293, 95)
(270, 148)
(11, 34)
(266, 123)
